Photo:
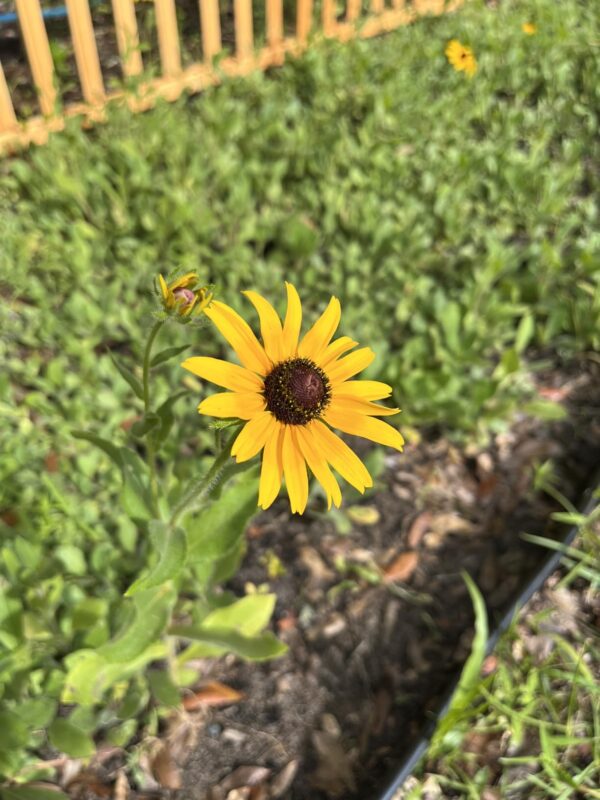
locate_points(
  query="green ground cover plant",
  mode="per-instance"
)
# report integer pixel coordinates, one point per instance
(455, 218)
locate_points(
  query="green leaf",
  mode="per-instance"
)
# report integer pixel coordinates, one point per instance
(546, 410)
(32, 792)
(469, 681)
(71, 558)
(146, 424)
(37, 712)
(14, 732)
(163, 689)
(122, 734)
(525, 332)
(217, 529)
(69, 739)
(165, 355)
(128, 375)
(166, 418)
(111, 450)
(135, 494)
(252, 648)
(152, 612)
(173, 547)
(248, 616)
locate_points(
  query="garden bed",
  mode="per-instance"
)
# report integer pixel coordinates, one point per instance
(375, 613)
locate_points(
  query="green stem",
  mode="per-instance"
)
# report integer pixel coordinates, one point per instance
(146, 386)
(203, 485)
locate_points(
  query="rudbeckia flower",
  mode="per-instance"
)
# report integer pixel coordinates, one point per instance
(461, 57)
(184, 295)
(529, 28)
(292, 392)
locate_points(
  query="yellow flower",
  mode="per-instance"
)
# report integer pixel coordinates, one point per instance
(184, 295)
(292, 392)
(461, 57)
(529, 28)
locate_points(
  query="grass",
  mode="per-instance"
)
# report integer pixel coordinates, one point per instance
(455, 218)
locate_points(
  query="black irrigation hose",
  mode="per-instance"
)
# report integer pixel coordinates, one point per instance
(535, 584)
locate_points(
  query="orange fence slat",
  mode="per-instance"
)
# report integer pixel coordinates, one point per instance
(86, 52)
(328, 18)
(211, 28)
(353, 9)
(8, 121)
(377, 6)
(168, 37)
(244, 39)
(128, 40)
(274, 10)
(38, 52)
(303, 19)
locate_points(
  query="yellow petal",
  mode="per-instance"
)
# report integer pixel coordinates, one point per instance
(349, 365)
(367, 390)
(182, 282)
(270, 326)
(341, 457)
(253, 436)
(163, 288)
(293, 321)
(367, 427)
(355, 405)
(272, 468)
(294, 469)
(243, 405)
(230, 376)
(318, 337)
(239, 335)
(335, 350)
(318, 464)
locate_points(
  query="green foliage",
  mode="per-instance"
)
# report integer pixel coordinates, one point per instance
(455, 219)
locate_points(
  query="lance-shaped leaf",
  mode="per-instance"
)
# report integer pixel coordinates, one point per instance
(165, 355)
(69, 739)
(111, 450)
(135, 495)
(32, 791)
(172, 546)
(251, 648)
(128, 375)
(152, 611)
(146, 424)
(165, 418)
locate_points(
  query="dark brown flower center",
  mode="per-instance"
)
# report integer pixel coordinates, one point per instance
(296, 391)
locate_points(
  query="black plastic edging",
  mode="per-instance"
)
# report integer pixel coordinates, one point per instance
(535, 584)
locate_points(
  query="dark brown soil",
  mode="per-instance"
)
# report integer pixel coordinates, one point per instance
(369, 658)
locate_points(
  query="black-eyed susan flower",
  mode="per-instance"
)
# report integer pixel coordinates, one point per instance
(461, 57)
(529, 28)
(184, 295)
(291, 392)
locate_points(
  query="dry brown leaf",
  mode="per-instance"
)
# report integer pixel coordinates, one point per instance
(402, 567)
(318, 569)
(212, 694)
(165, 769)
(334, 772)
(443, 524)
(419, 527)
(284, 779)
(245, 777)
(121, 787)
(243, 793)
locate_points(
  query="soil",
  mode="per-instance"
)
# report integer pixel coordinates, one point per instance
(378, 619)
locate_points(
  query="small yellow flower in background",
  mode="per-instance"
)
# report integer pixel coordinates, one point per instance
(529, 28)
(461, 57)
(184, 295)
(291, 392)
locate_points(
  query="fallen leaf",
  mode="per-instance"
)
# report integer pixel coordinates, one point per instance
(165, 770)
(9, 518)
(287, 622)
(51, 462)
(334, 773)
(443, 524)
(402, 567)
(363, 515)
(245, 777)
(284, 779)
(121, 787)
(419, 527)
(212, 694)
(313, 562)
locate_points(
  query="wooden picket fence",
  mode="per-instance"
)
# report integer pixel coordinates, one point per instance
(174, 79)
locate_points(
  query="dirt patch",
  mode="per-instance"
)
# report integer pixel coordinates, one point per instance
(369, 658)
